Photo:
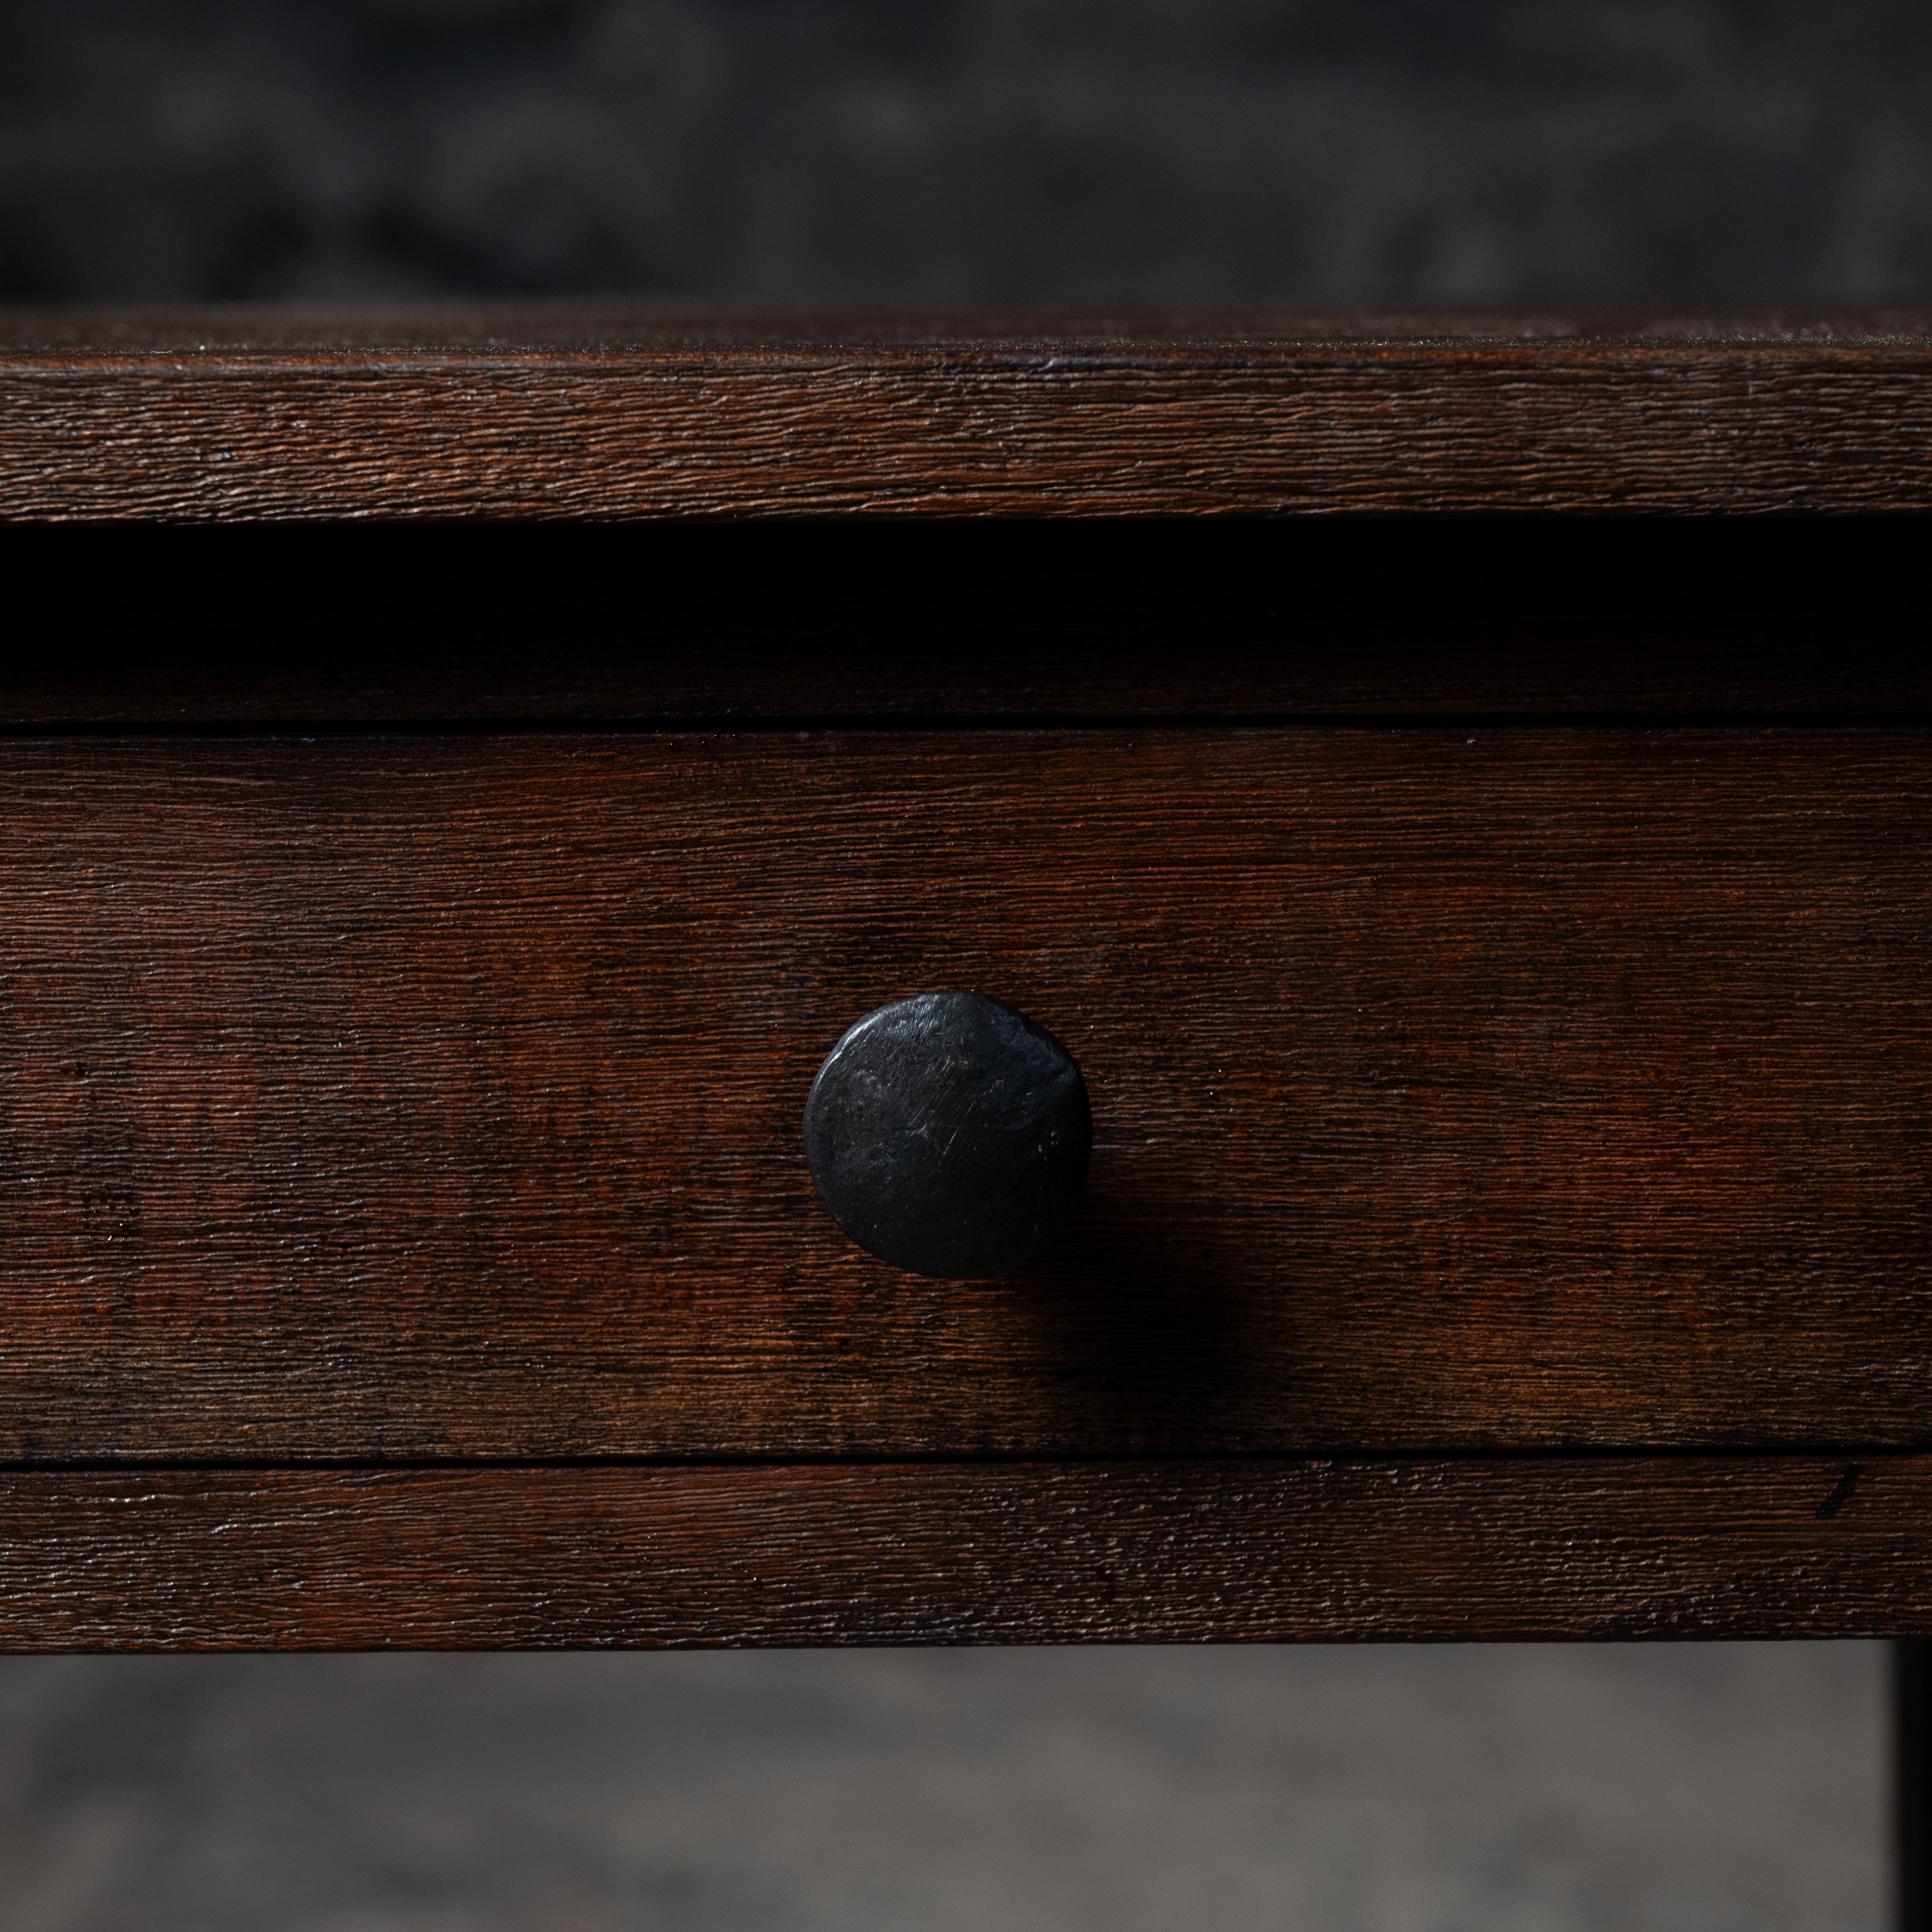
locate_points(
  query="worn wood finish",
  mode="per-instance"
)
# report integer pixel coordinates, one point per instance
(603, 414)
(394, 1099)
(1690, 1546)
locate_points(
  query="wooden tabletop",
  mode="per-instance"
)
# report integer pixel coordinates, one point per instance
(601, 411)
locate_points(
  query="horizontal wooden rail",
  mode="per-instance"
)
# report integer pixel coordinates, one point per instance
(1263, 1552)
(601, 413)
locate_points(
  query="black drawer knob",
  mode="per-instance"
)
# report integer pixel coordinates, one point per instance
(949, 1134)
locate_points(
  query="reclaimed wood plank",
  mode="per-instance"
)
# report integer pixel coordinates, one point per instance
(505, 1558)
(606, 413)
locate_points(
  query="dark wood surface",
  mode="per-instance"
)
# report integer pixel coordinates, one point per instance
(951, 1553)
(421, 1109)
(603, 413)
(1462, 1088)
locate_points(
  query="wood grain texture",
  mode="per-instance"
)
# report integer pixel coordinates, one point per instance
(393, 1098)
(603, 414)
(1028, 1553)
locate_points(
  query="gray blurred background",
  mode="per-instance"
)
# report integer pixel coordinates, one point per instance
(775, 152)
(1666, 1788)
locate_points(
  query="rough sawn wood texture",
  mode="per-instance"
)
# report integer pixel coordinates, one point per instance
(1550, 1547)
(406, 1237)
(392, 1098)
(605, 414)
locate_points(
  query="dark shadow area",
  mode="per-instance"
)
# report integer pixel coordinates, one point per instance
(1146, 1318)
(1356, 618)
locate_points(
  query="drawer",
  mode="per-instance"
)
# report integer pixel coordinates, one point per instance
(1456, 1088)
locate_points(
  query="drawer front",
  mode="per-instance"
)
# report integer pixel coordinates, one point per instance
(1452, 1090)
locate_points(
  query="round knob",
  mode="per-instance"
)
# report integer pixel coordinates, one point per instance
(949, 1134)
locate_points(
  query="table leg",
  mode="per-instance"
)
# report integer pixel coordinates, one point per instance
(1911, 1782)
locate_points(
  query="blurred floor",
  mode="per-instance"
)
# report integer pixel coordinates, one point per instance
(1512, 1789)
